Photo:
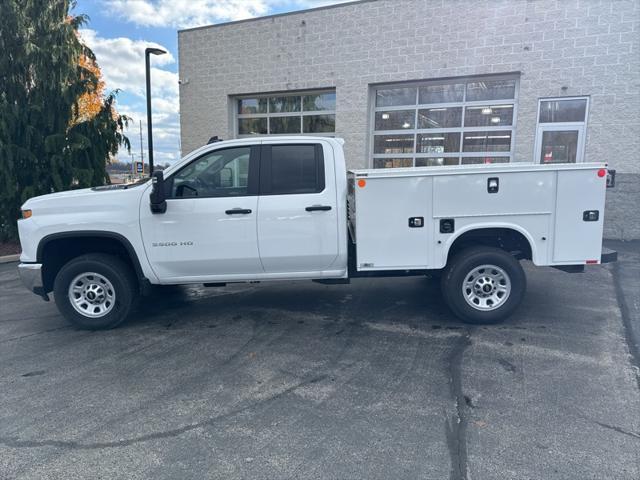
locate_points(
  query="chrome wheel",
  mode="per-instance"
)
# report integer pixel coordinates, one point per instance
(486, 287)
(92, 295)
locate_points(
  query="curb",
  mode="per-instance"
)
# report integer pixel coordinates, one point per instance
(10, 258)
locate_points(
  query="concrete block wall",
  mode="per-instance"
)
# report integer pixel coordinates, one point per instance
(559, 47)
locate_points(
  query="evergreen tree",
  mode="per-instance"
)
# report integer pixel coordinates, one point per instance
(45, 144)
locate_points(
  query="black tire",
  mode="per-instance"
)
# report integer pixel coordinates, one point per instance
(462, 268)
(120, 277)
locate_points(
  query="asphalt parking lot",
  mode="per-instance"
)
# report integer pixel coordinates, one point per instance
(373, 380)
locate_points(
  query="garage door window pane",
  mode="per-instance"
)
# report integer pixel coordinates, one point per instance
(284, 125)
(395, 120)
(321, 101)
(252, 105)
(390, 97)
(563, 111)
(319, 123)
(437, 161)
(559, 146)
(252, 126)
(438, 142)
(491, 90)
(450, 117)
(284, 104)
(483, 160)
(393, 144)
(488, 116)
(453, 92)
(392, 162)
(499, 141)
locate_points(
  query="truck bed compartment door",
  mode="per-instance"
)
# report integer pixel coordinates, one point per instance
(394, 223)
(579, 216)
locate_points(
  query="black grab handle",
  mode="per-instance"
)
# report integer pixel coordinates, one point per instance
(315, 208)
(238, 211)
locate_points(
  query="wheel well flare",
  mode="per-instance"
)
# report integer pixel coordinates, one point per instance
(506, 239)
(55, 251)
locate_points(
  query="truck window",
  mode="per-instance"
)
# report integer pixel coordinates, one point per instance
(292, 169)
(221, 173)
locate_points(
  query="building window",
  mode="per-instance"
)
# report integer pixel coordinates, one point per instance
(306, 113)
(459, 121)
(561, 130)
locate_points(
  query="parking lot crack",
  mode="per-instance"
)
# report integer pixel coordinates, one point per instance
(14, 442)
(21, 337)
(580, 414)
(456, 423)
(618, 429)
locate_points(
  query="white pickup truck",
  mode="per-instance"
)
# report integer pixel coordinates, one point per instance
(285, 208)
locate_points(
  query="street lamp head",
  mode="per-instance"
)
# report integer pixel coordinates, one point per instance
(154, 51)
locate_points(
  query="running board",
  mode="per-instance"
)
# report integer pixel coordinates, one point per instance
(333, 281)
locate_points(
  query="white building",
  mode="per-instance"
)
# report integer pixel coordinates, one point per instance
(430, 82)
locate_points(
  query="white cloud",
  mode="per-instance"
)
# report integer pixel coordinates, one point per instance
(164, 13)
(121, 61)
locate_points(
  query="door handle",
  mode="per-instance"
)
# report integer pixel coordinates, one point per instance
(238, 211)
(314, 208)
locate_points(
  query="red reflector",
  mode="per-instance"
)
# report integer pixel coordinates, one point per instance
(602, 172)
(591, 262)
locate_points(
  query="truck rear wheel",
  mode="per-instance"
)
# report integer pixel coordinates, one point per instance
(95, 291)
(483, 285)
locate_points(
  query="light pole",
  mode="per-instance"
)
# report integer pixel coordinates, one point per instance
(147, 52)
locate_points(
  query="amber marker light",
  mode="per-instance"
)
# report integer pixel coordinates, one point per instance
(26, 214)
(362, 183)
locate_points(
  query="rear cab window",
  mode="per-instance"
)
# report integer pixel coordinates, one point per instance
(290, 169)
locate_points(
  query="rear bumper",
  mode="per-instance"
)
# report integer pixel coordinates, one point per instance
(608, 256)
(31, 276)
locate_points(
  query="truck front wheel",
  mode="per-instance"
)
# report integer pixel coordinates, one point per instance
(483, 285)
(95, 291)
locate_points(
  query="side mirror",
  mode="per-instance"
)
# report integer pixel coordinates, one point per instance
(158, 197)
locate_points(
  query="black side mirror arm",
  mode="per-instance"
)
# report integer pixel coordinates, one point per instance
(157, 199)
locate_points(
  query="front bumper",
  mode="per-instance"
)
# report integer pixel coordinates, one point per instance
(31, 276)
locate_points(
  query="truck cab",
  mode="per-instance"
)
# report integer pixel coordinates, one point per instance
(247, 210)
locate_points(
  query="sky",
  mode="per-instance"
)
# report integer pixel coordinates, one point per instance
(118, 31)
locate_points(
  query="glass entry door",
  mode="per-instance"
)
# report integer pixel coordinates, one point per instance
(560, 144)
(560, 136)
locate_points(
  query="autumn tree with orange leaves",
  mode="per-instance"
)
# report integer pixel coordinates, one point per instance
(90, 102)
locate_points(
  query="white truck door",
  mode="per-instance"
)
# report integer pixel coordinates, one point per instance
(297, 207)
(209, 228)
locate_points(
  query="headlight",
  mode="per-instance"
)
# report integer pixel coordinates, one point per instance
(26, 214)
